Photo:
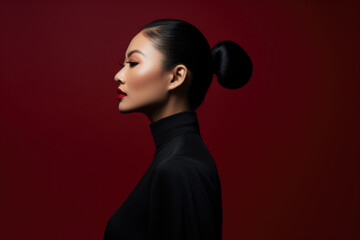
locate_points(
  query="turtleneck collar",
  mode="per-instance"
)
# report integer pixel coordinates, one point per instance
(171, 126)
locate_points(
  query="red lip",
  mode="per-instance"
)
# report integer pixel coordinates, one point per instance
(121, 93)
(120, 96)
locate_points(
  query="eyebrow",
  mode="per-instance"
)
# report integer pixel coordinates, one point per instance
(134, 51)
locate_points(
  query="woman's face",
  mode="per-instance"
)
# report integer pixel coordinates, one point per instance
(142, 77)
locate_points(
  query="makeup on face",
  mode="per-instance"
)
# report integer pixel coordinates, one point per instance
(121, 93)
(141, 79)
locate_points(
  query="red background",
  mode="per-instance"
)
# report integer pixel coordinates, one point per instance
(286, 144)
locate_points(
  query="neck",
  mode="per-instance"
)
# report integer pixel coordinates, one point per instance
(177, 124)
(172, 106)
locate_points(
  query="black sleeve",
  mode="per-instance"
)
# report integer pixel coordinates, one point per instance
(181, 203)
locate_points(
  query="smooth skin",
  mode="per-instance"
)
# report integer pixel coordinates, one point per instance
(150, 89)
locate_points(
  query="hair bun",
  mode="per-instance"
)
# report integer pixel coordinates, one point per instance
(232, 65)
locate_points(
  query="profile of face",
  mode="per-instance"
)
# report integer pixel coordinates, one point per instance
(142, 77)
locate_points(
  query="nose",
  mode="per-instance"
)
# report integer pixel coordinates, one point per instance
(119, 77)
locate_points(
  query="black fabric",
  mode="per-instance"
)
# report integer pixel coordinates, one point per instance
(179, 196)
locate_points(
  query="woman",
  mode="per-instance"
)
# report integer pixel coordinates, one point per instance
(168, 69)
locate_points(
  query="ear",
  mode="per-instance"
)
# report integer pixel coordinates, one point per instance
(178, 76)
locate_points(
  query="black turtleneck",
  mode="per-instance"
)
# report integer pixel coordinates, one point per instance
(179, 196)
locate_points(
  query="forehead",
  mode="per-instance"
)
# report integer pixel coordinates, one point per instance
(142, 43)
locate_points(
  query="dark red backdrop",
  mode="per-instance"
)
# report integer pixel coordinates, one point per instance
(286, 145)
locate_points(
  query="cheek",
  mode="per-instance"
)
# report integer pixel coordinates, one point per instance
(145, 81)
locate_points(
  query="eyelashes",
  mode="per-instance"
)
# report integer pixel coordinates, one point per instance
(132, 64)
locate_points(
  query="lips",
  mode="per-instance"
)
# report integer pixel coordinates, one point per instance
(121, 92)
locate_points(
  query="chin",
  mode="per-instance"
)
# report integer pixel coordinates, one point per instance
(124, 110)
(127, 109)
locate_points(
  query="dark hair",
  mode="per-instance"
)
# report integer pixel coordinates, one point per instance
(182, 43)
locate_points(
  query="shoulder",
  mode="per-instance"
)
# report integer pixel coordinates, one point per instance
(181, 174)
(176, 165)
(176, 168)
